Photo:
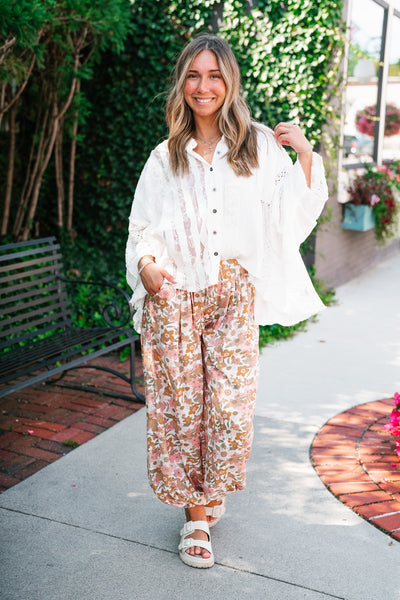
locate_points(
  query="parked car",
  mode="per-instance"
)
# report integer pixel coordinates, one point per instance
(358, 145)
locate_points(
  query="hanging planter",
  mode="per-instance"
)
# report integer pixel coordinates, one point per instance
(365, 120)
(358, 218)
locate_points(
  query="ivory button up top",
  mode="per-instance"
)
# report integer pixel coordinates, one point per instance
(190, 222)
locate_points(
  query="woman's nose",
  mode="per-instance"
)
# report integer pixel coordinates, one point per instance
(202, 87)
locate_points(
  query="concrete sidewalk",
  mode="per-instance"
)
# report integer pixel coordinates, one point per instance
(88, 526)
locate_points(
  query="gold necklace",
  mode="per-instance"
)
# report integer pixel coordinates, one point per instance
(209, 143)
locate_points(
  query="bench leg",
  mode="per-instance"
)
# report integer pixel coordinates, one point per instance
(134, 389)
(87, 388)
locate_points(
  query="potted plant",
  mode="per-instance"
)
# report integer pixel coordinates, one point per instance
(374, 201)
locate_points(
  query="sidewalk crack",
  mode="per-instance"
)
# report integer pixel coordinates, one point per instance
(153, 547)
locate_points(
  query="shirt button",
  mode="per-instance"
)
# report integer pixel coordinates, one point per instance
(214, 232)
(214, 189)
(215, 253)
(211, 169)
(214, 210)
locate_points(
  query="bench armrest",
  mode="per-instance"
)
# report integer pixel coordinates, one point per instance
(111, 311)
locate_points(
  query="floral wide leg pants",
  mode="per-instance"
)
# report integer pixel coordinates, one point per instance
(200, 358)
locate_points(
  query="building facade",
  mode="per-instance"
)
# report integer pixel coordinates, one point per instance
(371, 86)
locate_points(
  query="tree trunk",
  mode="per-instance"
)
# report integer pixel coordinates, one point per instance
(59, 175)
(72, 166)
(32, 168)
(48, 148)
(42, 160)
(5, 107)
(10, 172)
(2, 99)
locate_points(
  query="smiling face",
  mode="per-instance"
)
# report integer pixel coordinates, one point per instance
(205, 88)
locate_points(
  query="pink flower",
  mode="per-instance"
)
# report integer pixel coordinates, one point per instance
(385, 169)
(393, 425)
(374, 199)
(166, 470)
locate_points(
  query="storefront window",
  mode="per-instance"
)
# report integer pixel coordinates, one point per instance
(391, 140)
(365, 50)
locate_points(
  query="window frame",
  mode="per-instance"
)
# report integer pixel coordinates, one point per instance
(390, 13)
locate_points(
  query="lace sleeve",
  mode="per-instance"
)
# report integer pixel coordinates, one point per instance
(318, 179)
(290, 207)
(136, 235)
(300, 205)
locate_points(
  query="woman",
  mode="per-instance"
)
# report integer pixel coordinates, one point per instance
(217, 219)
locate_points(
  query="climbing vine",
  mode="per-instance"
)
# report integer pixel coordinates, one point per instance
(289, 55)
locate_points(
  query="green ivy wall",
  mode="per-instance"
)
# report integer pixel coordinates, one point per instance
(288, 54)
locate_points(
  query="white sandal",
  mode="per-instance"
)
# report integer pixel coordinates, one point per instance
(216, 512)
(189, 542)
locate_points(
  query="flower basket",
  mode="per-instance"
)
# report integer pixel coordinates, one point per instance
(374, 202)
(358, 218)
(365, 120)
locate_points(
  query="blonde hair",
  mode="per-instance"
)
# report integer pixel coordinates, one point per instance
(234, 119)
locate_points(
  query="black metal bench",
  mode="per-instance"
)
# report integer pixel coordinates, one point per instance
(37, 336)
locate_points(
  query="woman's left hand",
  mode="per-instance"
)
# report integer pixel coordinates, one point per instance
(289, 134)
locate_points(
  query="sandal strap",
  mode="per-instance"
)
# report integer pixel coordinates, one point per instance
(216, 511)
(191, 526)
(191, 542)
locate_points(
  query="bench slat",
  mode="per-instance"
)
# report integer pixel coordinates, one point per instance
(29, 274)
(51, 259)
(57, 348)
(18, 298)
(7, 344)
(10, 290)
(15, 247)
(56, 320)
(23, 312)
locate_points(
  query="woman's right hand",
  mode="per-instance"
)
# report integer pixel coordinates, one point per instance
(153, 277)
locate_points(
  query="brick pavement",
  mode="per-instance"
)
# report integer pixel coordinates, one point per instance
(355, 458)
(42, 423)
